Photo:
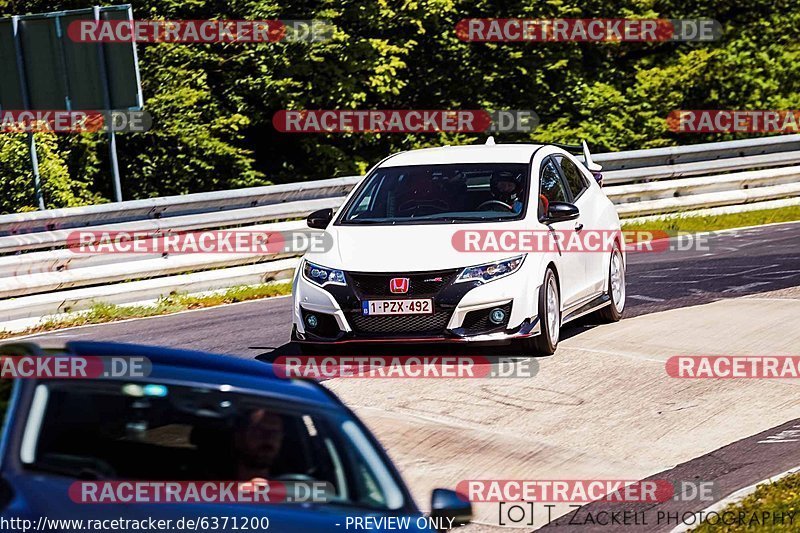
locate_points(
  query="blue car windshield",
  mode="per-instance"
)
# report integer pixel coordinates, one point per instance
(162, 432)
(440, 194)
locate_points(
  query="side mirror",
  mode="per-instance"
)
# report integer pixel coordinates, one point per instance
(561, 211)
(320, 219)
(598, 177)
(449, 509)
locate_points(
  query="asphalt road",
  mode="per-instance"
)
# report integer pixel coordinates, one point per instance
(721, 265)
(732, 467)
(715, 267)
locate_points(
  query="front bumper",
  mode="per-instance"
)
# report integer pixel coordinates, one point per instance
(460, 314)
(495, 339)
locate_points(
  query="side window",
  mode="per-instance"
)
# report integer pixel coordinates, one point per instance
(551, 186)
(575, 179)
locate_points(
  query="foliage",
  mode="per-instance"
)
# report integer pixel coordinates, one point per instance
(16, 175)
(212, 104)
(772, 507)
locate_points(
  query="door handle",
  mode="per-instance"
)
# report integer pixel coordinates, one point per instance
(578, 226)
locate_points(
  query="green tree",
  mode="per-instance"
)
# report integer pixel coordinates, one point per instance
(212, 104)
(59, 188)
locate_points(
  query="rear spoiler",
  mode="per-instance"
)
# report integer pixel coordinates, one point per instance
(584, 149)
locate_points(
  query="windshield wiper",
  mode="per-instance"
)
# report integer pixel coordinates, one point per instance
(370, 221)
(467, 219)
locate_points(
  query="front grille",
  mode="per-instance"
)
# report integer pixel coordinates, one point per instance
(424, 325)
(476, 322)
(420, 283)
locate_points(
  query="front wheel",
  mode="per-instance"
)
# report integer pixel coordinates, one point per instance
(549, 317)
(616, 288)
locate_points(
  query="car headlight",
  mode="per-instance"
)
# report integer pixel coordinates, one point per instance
(320, 275)
(491, 271)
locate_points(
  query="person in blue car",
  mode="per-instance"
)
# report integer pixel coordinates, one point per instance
(257, 442)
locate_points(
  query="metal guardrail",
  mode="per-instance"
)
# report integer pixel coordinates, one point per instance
(174, 206)
(619, 167)
(624, 194)
(697, 168)
(49, 303)
(164, 226)
(39, 276)
(673, 155)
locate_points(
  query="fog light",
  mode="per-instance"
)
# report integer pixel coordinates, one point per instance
(497, 316)
(312, 321)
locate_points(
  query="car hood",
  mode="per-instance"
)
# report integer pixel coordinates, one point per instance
(402, 248)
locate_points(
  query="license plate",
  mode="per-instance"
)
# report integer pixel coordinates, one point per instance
(419, 306)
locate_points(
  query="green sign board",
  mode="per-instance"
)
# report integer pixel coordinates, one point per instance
(43, 69)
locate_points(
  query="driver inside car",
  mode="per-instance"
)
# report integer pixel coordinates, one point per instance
(257, 442)
(507, 189)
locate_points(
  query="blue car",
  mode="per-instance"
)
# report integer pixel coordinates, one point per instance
(197, 417)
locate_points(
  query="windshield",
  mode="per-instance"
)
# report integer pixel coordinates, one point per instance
(157, 432)
(440, 194)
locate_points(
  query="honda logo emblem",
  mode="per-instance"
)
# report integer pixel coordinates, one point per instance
(398, 285)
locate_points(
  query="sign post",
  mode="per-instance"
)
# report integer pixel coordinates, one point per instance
(23, 89)
(51, 72)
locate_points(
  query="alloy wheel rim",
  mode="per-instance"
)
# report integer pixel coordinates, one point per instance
(617, 282)
(552, 310)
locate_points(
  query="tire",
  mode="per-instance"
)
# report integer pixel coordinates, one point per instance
(616, 288)
(549, 317)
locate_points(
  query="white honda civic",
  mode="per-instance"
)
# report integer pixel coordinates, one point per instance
(398, 270)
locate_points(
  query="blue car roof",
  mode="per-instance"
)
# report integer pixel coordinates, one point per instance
(191, 361)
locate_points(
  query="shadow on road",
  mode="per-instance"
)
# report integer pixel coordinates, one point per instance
(417, 350)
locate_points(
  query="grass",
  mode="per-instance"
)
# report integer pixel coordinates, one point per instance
(773, 498)
(717, 222)
(101, 313)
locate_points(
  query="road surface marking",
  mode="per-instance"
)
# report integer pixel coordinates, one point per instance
(645, 298)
